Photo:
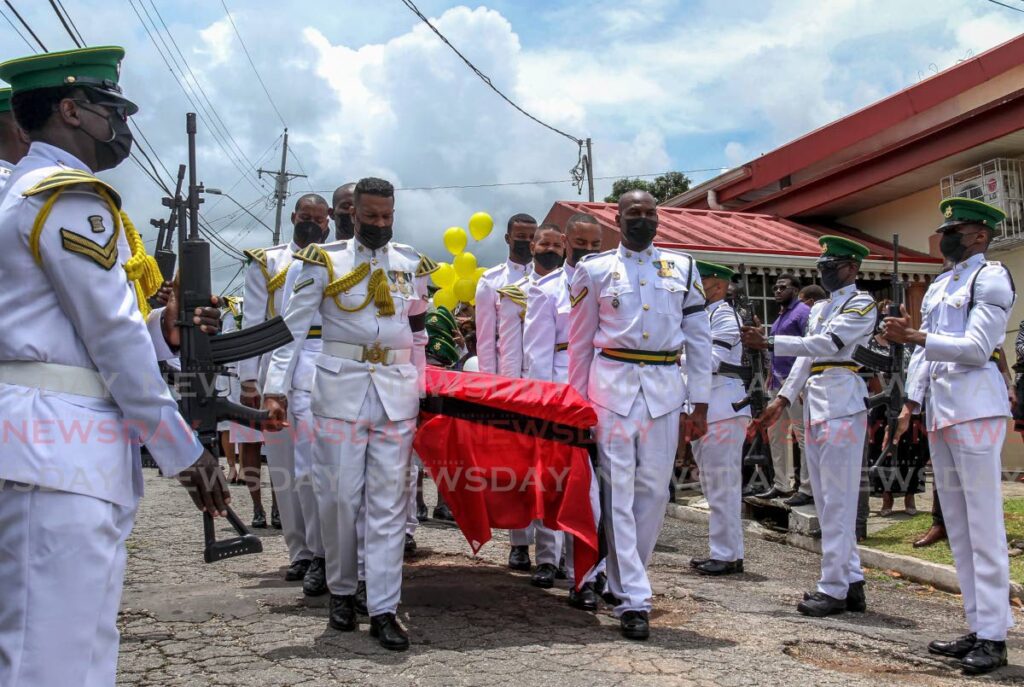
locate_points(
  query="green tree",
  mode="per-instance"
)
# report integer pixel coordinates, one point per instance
(662, 188)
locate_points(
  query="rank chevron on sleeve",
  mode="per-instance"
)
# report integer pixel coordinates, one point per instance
(105, 256)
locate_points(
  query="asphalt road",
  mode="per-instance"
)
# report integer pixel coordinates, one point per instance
(473, 622)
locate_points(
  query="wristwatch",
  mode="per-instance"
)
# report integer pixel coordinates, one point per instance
(771, 344)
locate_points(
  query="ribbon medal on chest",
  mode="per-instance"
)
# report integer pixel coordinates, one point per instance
(401, 282)
(666, 268)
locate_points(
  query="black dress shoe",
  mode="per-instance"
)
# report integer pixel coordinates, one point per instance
(410, 545)
(360, 598)
(856, 601)
(443, 512)
(388, 632)
(697, 562)
(986, 656)
(275, 518)
(799, 499)
(421, 512)
(343, 613)
(819, 605)
(563, 573)
(715, 568)
(956, 648)
(519, 558)
(600, 583)
(259, 518)
(748, 491)
(585, 599)
(315, 581)
(772, 493)
(297, 570)
(544, 576)
(635, 625)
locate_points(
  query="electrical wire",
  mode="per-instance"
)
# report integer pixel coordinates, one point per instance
(25, 24)
(1003, 4)
(18, 31)
(78, 43)
(253, 64)
(72, 21)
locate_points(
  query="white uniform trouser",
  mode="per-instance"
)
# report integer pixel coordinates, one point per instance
(835, 452)
(411, 521)
(303, 427)
(636, 455)
(719, 455)
(780, 438)
(523, 537)
(280, 450)
(370, 469)
(966, 461)
(570, 564)
(62, 560)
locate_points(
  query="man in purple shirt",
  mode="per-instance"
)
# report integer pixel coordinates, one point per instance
(792, 321)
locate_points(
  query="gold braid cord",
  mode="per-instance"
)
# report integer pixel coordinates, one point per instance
(377, 289)
(274, 285)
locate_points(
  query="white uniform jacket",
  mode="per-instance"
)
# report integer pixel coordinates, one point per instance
(305, 366)
(835, 327)
(512, 300)
(726, 387)
(647, 301)
(75, 307)
(267, 267)
(340, 384)
(487, 304)
(546, 328)
(953, 375)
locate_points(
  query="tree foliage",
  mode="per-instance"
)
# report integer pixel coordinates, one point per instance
(662, 188)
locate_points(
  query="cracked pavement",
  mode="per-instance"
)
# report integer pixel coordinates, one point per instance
(473, 622)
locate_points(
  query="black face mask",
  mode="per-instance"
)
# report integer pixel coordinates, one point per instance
(830, 277)
(114, 150)
(580, 253)
(374, 237)
(343, 229)
(520, 251)
(951, 247)
(308, 232)
(640, 231)
(549, 260)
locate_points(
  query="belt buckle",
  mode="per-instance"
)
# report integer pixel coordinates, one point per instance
(376, 354)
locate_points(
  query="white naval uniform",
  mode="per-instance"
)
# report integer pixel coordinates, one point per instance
(227, 384)
(364, 412)
(835, 424)
(71, 474)
(719, 454)
(650, 300)
(5, 173)
(965, 401)
(512, 363)
(487, 304)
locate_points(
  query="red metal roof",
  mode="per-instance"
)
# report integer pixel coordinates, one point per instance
(736, 232)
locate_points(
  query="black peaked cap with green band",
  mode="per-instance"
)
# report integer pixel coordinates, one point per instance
(839, 248)
(96, 68)
(959, 211)
(711, 269)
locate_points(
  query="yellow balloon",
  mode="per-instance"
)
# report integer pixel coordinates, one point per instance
(480, 225)
(446, 298)
(473, 302)
(480, 272)
(465, 290)
(465, 266)
(444, 276)
(455, 240)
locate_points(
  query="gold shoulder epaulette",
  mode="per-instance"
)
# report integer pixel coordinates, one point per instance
(258, 255)
(72, 177)
(426, 266)
(513, 293)
(313, 254)
(233, 305)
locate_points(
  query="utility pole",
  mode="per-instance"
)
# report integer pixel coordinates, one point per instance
(590, 170)
(281, 179)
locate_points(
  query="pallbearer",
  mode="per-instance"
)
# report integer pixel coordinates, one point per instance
(719, 454)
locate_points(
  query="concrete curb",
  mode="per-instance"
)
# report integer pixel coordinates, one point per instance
(937, 575)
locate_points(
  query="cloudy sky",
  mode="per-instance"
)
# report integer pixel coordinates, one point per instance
(366, 89)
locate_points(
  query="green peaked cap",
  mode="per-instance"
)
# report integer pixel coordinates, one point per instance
(959, 211)
(710, 269)
(97, 68)
(5, 100)
(443, 348)
(441, 319)
(841, 248)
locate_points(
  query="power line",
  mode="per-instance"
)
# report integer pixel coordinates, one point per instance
(25, 24)
(78, 43)
(1003, 4)
(483, 77)
(253, 64)
(18, 31)
(68, 14)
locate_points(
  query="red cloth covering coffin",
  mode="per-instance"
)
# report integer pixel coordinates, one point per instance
(505, 452)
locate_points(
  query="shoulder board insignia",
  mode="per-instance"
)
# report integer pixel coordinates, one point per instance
(312, 254)
(258, 255)
(859, 311)
(302, 284)
(426, 266)
(578, 298)
(514, 293)
(105, 256)
(596, 255)
(73, 177)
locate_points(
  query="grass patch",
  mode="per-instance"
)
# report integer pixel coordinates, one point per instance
(899, 538)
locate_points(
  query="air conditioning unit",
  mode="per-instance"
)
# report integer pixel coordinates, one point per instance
(998, 182)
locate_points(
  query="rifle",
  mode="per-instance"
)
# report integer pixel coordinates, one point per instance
(756, 398)
(892, 366)
(203, 356)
